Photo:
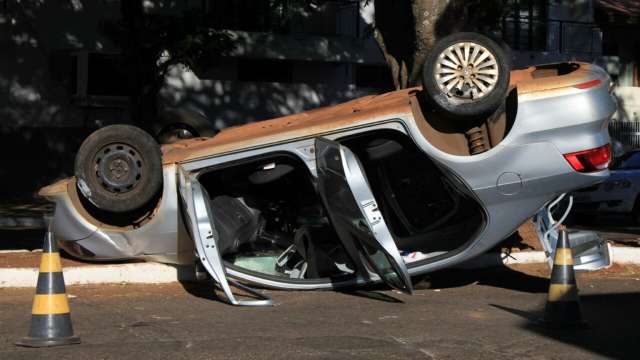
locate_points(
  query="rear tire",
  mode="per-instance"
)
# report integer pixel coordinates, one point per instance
(119, 168)
(466, 75)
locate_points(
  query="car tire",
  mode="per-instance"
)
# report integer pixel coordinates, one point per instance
(119, 169)
(479, 63)
(178, 124)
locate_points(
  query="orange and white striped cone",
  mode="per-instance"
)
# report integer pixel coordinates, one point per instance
(50, 315)
(563, 303)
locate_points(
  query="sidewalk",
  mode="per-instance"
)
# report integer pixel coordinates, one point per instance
(19, 268)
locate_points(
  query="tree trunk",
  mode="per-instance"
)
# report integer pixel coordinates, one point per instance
(406, 29)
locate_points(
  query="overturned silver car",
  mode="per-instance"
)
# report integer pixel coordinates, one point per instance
(377, 189)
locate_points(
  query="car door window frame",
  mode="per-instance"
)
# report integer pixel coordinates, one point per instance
(362, 229)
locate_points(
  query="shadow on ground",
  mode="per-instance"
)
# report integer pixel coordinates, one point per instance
(210, 291)
(205, 290)
(501, 277)
(612, 329)
(372, 295)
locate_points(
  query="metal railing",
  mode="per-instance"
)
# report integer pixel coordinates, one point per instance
(627, 132)
(548, 35)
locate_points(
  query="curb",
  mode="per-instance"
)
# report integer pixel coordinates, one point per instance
(624, 255)
(155, 273)
(140, 273)
(497, 259)
(617, 255)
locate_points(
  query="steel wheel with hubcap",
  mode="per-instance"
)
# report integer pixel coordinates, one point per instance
(119, 168)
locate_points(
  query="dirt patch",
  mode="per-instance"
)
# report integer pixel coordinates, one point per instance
(102, 291)
(529, 236)
(540, 270)
(524, 239)
(314, 122)
(615, 270)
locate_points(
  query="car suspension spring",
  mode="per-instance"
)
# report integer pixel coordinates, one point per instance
(476, 141)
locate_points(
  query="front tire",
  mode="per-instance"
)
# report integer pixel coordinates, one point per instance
(466, 75)
(119, 168)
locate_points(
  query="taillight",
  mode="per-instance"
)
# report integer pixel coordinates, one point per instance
(588, 84)
(590, 160)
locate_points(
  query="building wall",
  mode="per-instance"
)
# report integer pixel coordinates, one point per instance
(324, 57)
(47, 73)
(231, 102)
(40, 128)
(35, 40)
(571, 34)
(45, 76)
(621, 58)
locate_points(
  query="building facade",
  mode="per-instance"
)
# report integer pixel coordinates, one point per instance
(62, 69)
(61, 73)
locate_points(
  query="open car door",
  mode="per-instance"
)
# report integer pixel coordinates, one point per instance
(354, 213)
(199, 221)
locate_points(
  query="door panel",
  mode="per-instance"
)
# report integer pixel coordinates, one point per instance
(355, 214)
(201, 226)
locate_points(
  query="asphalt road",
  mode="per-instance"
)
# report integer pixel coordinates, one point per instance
(472, 314)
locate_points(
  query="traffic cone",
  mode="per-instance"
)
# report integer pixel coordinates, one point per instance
(50, 316)
(563, 304)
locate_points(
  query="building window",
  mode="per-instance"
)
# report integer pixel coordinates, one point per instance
(264, 70)
(525, 26)
(92, 73)
(107, 75)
